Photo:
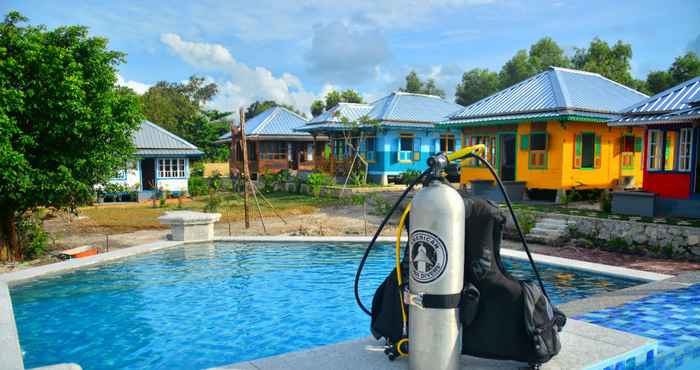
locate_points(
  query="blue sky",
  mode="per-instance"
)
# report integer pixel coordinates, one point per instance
(294, 52)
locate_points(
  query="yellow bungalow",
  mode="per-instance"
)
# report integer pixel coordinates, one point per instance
(549, 132)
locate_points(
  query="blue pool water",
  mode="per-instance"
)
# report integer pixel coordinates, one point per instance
(200, 306)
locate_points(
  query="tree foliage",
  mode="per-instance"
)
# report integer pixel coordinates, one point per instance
(416, 86)
(684, 68)
(258, 107)
(332, 99)
(64, 125)
(175, 105)
(612, 62)
(476, 84)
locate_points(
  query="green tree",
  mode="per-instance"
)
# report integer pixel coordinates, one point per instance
(413, 83)
(546, 53)
(64, 125)
(658, 81)
(475, 85)
(517, 69)
(685, 67)
(334, 97)
(258, 107)
(416, 86)
(317, 107)
(350, 96)
(611, 62)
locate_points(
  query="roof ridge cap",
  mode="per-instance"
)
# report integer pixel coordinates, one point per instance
(398, 92)
(560, 91)
(266, 121)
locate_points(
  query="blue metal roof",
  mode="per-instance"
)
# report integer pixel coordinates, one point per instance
(398, 109)
(351, 111)
(275, 121)
(151, 139)
(407, 107)
(557, 89)
(678, 103)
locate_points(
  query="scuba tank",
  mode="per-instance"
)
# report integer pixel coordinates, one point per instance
(449, 303)
(436, 271)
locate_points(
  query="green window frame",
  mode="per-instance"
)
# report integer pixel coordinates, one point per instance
(538, 146)
(628, 146)
(580, 160)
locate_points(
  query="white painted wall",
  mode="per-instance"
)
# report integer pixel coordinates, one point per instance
(133, 176)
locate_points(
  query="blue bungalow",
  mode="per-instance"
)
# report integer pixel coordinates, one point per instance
(671, 121)
(393, 134)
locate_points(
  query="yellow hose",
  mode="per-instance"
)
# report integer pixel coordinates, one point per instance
(399, 230)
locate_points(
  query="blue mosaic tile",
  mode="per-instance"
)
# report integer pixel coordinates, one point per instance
(672, 318)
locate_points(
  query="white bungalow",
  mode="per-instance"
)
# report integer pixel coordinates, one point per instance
(163, 161)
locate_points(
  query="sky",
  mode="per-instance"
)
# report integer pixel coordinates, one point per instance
(295, 51)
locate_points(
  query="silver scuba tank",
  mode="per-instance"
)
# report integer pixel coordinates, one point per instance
(436, 275)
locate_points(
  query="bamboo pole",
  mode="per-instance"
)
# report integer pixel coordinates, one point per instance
(262, 219)
(270, 205)
(246, 171)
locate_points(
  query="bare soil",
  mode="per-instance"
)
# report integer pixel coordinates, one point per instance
(328, 221)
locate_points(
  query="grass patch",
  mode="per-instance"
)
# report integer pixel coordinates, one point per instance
(132, 217)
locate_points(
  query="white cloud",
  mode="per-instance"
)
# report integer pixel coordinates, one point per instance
(240, 84)
(139, 87)
(346, 52)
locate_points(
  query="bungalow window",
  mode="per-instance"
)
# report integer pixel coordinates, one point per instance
(685, 148)
(489, 154)
(171, 168)
(669, 150)
(405, 147)
(309, 155)
(447, 143)
(339, 149)
(273, 150)
(369, 148)
(537, 156)
(628, 146)
(587, 152)
(654, 146)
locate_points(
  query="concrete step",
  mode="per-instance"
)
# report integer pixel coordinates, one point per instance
(541, 230)
(551, 227)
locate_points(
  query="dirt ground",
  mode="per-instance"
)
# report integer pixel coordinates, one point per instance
(328, 221)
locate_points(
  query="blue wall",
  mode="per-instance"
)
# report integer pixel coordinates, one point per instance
(427, 141)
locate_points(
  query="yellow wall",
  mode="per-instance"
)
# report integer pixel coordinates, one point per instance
(210, 168)
(560, 172)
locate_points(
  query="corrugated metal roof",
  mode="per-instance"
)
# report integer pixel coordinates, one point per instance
(277, 121)
(675, 104)
(407, 107)
(151, 139)
(398, 109)
(556, 89)
(351, 111)
(169, 152)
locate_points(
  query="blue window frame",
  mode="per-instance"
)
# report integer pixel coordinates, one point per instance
(406, 147)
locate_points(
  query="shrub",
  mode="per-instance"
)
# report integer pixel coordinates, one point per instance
(31, 236)
(526, 220)
(357, 178)
(215, 181)
(197, 185)
(163, 198)
(213, 203)
(197, 169)
(380, 206)
(409, 176)
(316, 180)
(267, 181)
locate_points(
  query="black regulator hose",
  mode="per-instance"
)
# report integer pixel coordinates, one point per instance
(515, 219)
(376, 235)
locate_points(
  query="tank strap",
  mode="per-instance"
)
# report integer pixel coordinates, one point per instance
(443, 301)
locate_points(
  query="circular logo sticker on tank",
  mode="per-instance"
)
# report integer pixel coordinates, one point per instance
(428, 256)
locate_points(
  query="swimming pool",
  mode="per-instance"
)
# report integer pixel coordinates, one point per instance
(198, 306)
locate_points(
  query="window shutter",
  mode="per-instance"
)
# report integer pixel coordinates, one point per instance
(524, 142)
(546, 141)
(638, 144)
(578, 152)
(597, 151)
(398, 149)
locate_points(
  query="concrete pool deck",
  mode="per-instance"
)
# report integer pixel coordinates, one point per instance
(584, 346)
(657, 283)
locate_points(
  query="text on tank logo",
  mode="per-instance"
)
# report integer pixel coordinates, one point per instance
(428, 256)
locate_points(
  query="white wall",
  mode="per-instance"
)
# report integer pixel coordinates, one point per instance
(133, 176)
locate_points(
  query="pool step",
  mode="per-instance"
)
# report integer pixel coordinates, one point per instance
(549, 231)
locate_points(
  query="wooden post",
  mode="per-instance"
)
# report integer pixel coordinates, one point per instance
(246, 171)
(314, 150)
(332, 155)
